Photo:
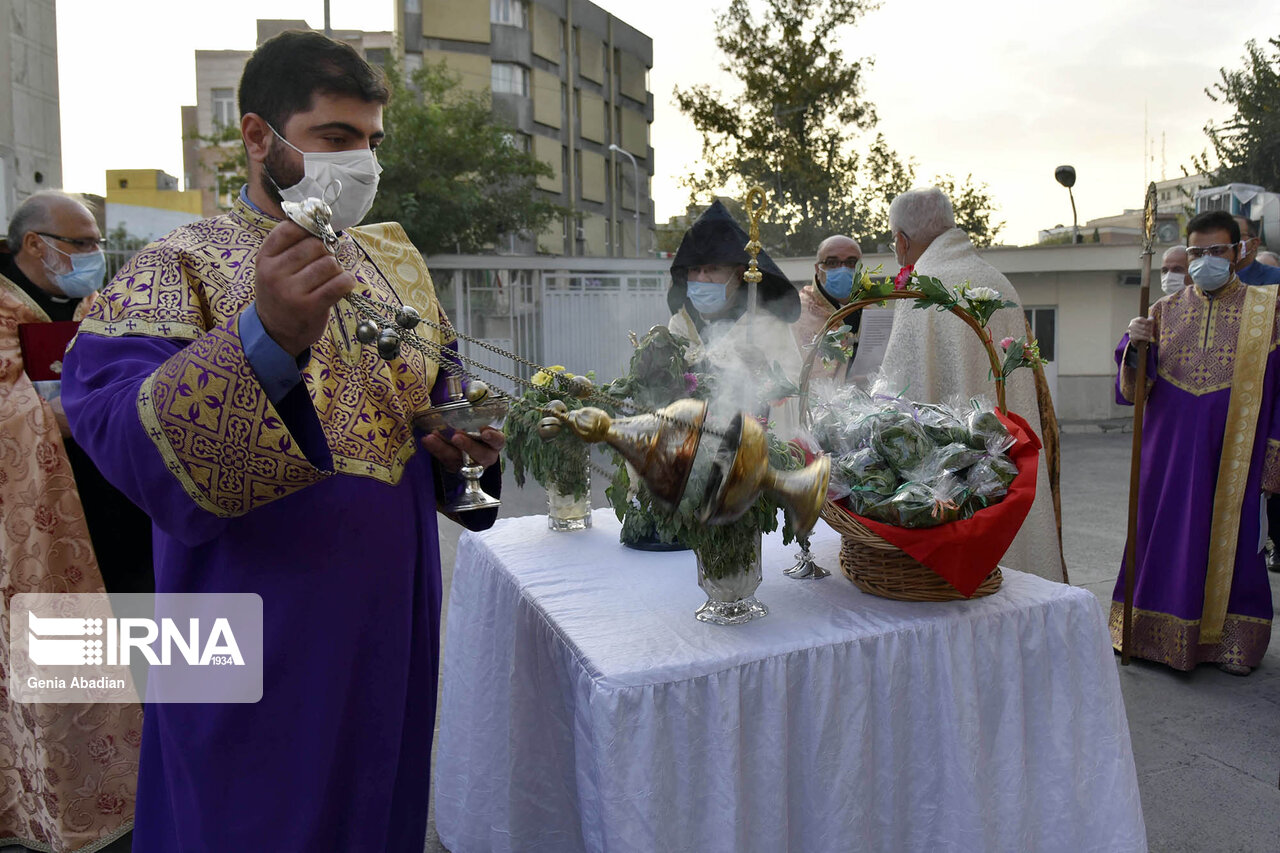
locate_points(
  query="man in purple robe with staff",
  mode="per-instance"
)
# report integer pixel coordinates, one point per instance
(220, 384)
(1210, 455)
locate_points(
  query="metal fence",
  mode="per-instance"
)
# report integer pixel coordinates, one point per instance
(575, 312)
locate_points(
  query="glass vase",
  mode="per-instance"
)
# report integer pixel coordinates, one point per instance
(565, 512)
(730, 578)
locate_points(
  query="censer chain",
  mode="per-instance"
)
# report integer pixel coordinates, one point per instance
(373, 310)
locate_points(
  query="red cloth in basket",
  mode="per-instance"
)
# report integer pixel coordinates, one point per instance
(964, 552)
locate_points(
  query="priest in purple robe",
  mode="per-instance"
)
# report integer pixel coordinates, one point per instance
(219, 383)
(1210, 455)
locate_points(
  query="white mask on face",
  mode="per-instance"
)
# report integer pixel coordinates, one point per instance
(347, 181)
(1172, 282)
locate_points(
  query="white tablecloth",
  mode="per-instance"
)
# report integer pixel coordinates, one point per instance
(584, 708)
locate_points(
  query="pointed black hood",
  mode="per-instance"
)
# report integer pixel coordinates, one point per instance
(715, 238)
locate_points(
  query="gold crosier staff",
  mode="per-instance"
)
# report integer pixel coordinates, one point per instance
(753, 276)
(1139, 404)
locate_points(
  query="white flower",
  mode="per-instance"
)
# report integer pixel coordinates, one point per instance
(983, 294)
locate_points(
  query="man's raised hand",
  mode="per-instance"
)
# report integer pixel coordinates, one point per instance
(298, 281)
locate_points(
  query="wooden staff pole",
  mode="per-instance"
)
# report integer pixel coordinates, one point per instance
(1139, 404)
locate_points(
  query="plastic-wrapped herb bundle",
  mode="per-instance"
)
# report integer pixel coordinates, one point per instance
(914, 465)
(941, 424)
(900, 441)
(917, 504)
(985, 430)
(988, 481)
(863, 477)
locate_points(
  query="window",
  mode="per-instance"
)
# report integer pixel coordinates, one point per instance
(224, 108)
(507, 78)
(1044, 322)
(508, 12)
(377, 56)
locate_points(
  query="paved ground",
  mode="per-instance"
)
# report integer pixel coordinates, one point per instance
(1206, 744)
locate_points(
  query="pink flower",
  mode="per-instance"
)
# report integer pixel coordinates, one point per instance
(1006, 343)
(690, 383)
(903, 278)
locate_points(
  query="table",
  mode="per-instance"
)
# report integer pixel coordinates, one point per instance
(584, 708)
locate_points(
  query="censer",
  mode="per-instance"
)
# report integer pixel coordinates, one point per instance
(661, 445)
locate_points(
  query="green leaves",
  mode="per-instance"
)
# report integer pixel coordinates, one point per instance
(934, 293)
(453, 175)
(1018, 353)
(560, 461)
(1247, 145)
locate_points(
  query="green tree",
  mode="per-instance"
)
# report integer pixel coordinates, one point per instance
(230, 166)
(973, 207)
(1246, 146)
(453, 176)
(789, 126)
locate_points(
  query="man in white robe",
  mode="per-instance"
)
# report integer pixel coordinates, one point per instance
(934, 356)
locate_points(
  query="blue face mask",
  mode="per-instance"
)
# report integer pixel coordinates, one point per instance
(1210, 273)
(839, 283)
(87, 271)
(707, 296)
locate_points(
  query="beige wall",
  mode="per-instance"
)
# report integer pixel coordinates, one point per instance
(546, 32)
(549, 151)
(635, 132)
(592, 117)
(551, 240)
(632, 82)
(594, 177)
(474, 70)
(593, 231)
(546, 98)
(590, 57)
(463, 20)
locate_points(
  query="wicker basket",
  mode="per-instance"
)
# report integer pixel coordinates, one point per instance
(878, 568)
(874, 565)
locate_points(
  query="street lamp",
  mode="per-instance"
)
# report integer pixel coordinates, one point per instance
(1066, 175)
(635, 176)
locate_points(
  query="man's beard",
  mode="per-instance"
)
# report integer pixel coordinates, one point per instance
(278, 173)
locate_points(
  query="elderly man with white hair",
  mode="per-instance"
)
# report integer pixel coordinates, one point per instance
(934, 356)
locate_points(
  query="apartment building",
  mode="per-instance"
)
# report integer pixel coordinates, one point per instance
(30, 127)
(572, 80)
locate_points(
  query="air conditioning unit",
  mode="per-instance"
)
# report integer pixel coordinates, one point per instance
(1168, 232)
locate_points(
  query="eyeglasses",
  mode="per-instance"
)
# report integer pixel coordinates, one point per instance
(836, 263)
(1218, 250)
(84, 244)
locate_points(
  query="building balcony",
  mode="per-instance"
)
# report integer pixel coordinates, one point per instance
(510, 44)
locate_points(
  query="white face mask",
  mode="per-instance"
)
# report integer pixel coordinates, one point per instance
(1172, 282)
(347, 181)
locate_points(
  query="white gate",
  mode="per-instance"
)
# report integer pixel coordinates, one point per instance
(586, 318)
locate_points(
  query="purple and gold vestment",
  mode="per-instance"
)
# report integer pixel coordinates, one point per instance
(1214, 380)
(321, 503)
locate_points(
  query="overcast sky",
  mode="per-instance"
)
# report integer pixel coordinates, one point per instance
(1003, 89)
